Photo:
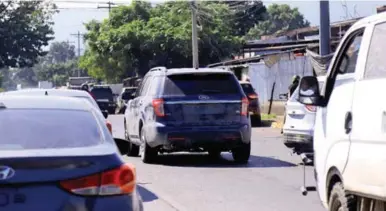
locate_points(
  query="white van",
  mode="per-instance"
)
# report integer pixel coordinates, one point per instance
(350, 125)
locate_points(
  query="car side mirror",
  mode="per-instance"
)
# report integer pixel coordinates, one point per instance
(105, 114)
(309, 93)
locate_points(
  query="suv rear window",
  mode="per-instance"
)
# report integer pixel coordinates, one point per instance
(47, 129)
(247, 88)
(195, 84)
(102, 93)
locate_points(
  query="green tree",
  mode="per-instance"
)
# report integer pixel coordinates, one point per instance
(245, 15)
(60, 52)
(59, 64)
(279, 18)
(25, 28)
(138, 37)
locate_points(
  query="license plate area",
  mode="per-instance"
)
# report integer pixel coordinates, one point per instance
(197, 109)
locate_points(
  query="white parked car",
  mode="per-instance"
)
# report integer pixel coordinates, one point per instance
(350, 123)
(299, 123)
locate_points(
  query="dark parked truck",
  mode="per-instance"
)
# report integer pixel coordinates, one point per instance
(104, 97)
(254, 105)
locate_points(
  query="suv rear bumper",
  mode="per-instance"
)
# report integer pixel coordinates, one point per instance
(181, 139)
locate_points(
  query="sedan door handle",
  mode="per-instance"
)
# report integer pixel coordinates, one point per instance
(348, 122)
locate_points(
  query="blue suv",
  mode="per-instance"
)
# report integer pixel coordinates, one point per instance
(195, 110)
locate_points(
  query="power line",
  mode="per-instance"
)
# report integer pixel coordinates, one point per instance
(108, 7)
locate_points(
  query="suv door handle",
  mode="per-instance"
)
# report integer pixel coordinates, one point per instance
(348, 122)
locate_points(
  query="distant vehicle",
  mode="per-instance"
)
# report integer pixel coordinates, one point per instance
(78, 81)
(45, 85)
(298, 128)
(61, 92)
(127, 94)
(70, 164)
(202, 110)
(104, 97)
(254, 105)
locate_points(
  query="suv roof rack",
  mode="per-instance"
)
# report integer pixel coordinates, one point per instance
(158, 69)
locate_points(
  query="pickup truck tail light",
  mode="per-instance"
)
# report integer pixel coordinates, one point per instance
(253, 96)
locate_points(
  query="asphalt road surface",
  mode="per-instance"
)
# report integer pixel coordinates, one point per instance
(192, 182)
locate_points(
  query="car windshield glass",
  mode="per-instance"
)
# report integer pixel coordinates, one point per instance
(41, 129)
(248, 89)
(195, 84)
(102, 93)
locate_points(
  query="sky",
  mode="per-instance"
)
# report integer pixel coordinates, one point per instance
(72, 16)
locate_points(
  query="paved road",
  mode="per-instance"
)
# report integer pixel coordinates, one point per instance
(190, 182)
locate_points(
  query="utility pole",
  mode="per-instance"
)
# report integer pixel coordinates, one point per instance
(79, 36)
(108, 7)
(194, 36)
(324, 31)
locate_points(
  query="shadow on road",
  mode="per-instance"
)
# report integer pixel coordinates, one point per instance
(147, 196)
(226, 161)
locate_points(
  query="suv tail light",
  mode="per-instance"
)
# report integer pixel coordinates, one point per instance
(311, 108)
(244, 106)
(158, 105)
(117, 181)
(109, 126)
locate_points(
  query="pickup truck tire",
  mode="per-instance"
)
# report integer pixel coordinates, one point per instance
(340, 200)
(242, 153)
(148, 154)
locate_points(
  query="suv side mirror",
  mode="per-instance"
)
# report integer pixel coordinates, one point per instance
(309, 93)
(105, 114)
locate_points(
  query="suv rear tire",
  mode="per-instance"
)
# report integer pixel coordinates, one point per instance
(242, 153)
(148, 154)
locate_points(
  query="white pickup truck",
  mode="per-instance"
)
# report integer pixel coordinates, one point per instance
(350, 124)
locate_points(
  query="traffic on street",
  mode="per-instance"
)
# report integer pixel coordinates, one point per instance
(192, 181)
(192, 106)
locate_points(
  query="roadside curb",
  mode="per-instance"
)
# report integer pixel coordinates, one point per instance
(276, 124)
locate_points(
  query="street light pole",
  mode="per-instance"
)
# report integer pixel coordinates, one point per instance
(194, 36)
(324, 31)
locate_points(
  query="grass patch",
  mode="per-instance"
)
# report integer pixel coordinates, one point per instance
(266, 117)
